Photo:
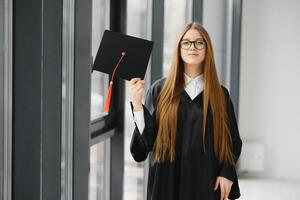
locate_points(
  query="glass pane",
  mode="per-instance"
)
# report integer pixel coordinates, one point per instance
(99, 80)
(97, 184)
(134, 173)
(99, 156)
(173, 24)
(219, 29)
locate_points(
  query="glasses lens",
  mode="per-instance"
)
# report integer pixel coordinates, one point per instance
(199, 44)
(185, 44)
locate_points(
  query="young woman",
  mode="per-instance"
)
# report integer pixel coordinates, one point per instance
(187, 126)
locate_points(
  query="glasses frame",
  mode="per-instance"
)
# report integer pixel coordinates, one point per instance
(192, 42)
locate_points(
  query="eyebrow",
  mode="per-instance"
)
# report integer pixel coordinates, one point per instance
(200, 38)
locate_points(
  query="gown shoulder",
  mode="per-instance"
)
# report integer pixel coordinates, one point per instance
(152, 94)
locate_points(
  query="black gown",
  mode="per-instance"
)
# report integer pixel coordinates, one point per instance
(193, 174)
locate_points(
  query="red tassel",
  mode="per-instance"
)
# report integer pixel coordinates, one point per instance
(108, 97)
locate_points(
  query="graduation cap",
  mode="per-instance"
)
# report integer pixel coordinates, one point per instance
(122, 56)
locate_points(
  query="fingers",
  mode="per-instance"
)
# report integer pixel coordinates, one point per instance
(225, 187)
(134, 80)
(217, 183)
(226, 192)
(137, 86)
(228, 189)
(223, 192)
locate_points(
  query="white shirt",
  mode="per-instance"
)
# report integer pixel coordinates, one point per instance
(193, 86)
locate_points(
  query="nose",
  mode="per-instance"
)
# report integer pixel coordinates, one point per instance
(193, 47)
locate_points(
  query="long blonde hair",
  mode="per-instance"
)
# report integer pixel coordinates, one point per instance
(213, 96)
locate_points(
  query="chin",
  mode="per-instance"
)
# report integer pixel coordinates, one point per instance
(193, 63)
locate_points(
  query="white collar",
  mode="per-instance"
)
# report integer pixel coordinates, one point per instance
(199, 79)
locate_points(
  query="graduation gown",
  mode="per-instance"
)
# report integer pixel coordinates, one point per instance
(193, 174)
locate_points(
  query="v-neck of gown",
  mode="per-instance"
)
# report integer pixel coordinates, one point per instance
(186, 96)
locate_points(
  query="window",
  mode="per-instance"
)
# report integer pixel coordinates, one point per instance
(100, 151)
(173, 24)
(99, 176)
(219, 27)
(134, 173)
(99, 81)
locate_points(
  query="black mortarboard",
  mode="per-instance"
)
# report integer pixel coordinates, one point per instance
(123, 56)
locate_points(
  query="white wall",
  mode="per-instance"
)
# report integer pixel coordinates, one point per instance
(269, 109)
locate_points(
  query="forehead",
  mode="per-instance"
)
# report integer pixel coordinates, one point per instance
(192, 34)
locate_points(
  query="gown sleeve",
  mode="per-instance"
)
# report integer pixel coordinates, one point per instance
(228, 171)
(142, 143)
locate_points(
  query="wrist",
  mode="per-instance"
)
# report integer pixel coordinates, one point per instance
(137, 106)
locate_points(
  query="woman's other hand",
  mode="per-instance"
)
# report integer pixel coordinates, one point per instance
(225, 186)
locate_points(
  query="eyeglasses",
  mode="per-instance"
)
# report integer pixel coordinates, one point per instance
(198, 44)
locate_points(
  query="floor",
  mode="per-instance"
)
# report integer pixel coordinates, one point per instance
(269, 189)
